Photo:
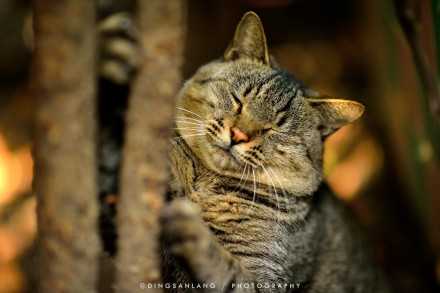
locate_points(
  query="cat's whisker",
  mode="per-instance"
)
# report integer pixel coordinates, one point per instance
(187, 128)
(196, 134)
(285, 198)
(278, 212)
(242, 176)
(248, 173)
(186, 110)
(184, 115)
(273, 185)
(188, 119)
(191, 132)
(189, 135)
(188, 122)
(191, 127)
(279, 182)
(255, 184)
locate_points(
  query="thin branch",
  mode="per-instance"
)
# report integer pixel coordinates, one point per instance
(409, 14)
(144, 167)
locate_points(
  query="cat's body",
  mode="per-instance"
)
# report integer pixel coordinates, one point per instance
(307, 245)
(248, 156)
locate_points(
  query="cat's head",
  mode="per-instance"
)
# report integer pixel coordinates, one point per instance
(245, 118)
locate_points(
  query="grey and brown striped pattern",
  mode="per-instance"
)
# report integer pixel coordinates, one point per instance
(246, 162)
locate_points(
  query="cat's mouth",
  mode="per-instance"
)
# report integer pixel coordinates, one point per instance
(225, 158)
(226, 152)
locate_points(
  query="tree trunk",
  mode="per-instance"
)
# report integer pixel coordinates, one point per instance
(144, 166)
(65, 163)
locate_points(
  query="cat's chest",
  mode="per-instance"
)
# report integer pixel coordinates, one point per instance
(242, 226)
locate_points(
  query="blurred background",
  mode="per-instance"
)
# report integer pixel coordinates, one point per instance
(386, 166)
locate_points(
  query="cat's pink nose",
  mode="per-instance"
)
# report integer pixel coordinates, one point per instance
(238, 136)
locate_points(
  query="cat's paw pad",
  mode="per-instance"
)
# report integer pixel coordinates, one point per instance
(182, 228)
(119, 48)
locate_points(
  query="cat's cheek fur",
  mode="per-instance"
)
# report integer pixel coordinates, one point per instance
(221, 161)
(301, 182)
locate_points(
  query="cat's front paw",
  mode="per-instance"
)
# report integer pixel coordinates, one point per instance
(119, 48)
(183, 230)
(189, 240)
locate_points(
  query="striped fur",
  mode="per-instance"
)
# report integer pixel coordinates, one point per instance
(256, 211)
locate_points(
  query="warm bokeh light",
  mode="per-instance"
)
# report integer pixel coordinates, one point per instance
(11, 279)
(352, 159)
(15, 171)
(17, 234)
(17, 214)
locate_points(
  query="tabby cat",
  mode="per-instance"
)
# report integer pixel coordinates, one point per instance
(250, 212)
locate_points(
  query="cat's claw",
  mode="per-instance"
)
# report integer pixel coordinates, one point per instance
(183, 229)
(119, 48)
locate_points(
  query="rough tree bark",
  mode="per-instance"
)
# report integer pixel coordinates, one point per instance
(144, 167)
(65, 164)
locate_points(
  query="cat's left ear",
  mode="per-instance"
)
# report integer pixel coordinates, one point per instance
(249, 40)
(335, 113)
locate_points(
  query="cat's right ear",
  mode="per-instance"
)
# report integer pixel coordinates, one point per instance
(249, 40)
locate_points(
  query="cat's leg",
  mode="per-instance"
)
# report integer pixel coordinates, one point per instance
(191, 242)
(119, 48)
(118, 60)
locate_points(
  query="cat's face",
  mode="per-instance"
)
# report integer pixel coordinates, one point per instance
(244, 118)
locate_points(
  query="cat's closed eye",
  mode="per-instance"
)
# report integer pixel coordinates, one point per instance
(281, 119)
(238, 105)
